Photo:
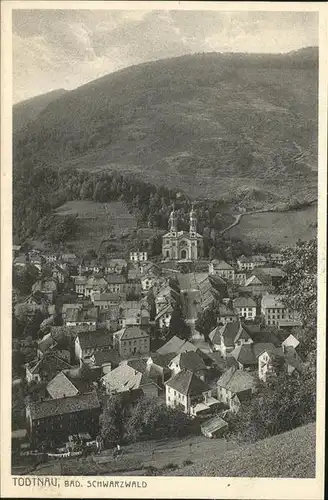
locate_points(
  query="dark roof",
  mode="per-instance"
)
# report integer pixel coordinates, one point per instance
(103, 357)
(190, 361)
(247, 354)
(187, 383)
(49, 365)
(131, 332)
(162, 360)
(236, 380)
(231, 332)
(138, 364)
(61, 406)
(46, 343)
(97, 338)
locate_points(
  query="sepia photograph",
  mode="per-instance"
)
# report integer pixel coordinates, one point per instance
(164, 228)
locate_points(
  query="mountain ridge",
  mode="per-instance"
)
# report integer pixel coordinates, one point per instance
(203, 123)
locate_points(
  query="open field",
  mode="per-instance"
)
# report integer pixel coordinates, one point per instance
(98, 221)
(277, 228)
(272, 457)
(291, 454)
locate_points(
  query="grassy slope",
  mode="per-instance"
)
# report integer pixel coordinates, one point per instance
(205, 123)
(28, 110)
(278, 229)
(98, 221)
(291, 454)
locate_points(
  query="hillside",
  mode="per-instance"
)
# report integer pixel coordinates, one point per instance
(291, 454)
(26, 111)
(203, 123)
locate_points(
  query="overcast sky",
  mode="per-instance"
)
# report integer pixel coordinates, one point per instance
(65, 48)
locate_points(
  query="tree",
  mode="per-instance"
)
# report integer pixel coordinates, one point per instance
(212, 253)
(207, 320)
(112, 421)
(178, 325)
(281, 404)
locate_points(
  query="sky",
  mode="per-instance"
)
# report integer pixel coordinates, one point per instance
(66, 48)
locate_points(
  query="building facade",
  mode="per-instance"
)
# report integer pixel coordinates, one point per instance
(182, 245)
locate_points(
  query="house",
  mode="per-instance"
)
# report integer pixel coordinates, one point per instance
(138, 256)
(290, 341)
(47, 287)
(258, 260)
(233, 383)
(130, 376)
(115, 266)
(81, 317)
(275, 312)
(105, 361)
(59, 274)
(275, 273)
(64, 416)
(166, 295)
(88, 342)
(20, 261)
(104, 301)
(158, 365)
(66, 307)
(95, 284)
(37, 261)
(214, 428)
(49, 344)
(91, 265)
(61, 386)
(274, 358)
(225, 338)
(49, 257)
(244, 263)
(45, 368)
(35, 302)
(222, 269)
(246, 355)
(147, 282)
(277, 259)
(80, 283)
(240, 278)
(115, 282)
(176, 345)
(69, 258)
(135, 316)
(189, 360)
(245, 307)
(163, 318)
(131, 340)
(187, 392)
(226, 315)
(257, 284)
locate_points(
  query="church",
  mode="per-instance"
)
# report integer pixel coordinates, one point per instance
(182, 245)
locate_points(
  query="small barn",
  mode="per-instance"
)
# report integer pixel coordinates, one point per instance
(215, 427)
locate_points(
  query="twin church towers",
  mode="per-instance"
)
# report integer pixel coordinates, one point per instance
(182, 245)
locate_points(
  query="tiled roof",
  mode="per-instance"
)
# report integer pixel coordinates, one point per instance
(49, 365)
(231, 332)
(95, 339)
(272, 301)
(61, 406)
(162, 360)
(214, 424)
(46, 343)
(80, 315)
(221, 265)
(60, 386)
(176, 345)
(244, 302)
(131, 332)
(187, 383)
(274, 272)
(115, 279)
(236, 380)
(125, 378)
(247, 354)
(165, 310)
(103, 357)
(190, 361)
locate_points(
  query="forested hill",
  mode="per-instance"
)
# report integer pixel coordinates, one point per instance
(211, 124)
(26, 111)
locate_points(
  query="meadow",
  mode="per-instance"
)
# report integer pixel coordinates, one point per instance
(277, 228)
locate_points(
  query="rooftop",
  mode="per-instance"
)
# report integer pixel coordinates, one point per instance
(236, 380)
(60, 406)
(187, 383)
(176, 345)
(244, 302)
(131, 332)
(190, 361)
(272, 301)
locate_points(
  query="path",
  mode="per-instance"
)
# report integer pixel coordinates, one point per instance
(239, 216)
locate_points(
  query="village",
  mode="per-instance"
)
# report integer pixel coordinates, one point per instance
(137, 327)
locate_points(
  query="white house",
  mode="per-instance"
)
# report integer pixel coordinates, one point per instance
(138, 256)
(245, 307)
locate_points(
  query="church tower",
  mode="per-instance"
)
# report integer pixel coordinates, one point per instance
(173, 222)
(193, 223)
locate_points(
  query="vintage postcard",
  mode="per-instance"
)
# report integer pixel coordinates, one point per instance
(163, 249)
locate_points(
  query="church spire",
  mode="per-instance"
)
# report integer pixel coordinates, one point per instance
(193, 222)
(173, 220)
